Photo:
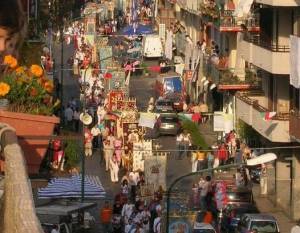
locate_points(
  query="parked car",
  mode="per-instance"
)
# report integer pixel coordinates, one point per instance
(232, 214)
(164, 106)
(200, 227)
(62, 227)
(168, 124)
(258, 223)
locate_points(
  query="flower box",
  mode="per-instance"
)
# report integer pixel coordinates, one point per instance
(31, 125)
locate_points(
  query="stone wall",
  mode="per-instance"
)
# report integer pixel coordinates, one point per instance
(17, 213)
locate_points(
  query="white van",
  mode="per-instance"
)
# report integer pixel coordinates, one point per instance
(152, 46)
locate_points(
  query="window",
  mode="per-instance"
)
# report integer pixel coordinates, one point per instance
(264, 226)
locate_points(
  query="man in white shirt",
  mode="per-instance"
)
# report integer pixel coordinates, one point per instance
(69, 116)
(157, 223)
(55, 229)
(296, 228)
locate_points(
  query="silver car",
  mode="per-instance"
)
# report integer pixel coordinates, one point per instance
(168, 124)
(257, 223)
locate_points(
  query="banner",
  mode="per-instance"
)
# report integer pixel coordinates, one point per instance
(295, 61)
(155, 170)
(141, 151)
(147, 120)
(113, 98)
(105, 56)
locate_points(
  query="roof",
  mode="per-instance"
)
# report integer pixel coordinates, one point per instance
(260, 217)
(63, 210)
(201, 225)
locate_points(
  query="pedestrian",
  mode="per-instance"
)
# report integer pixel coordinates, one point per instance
(106, 217)
(201, 160)
(108, 153)
(210, 159)
(88, 145)
(263, 180)
(194, 161)
(296, 228)
(126, 212)
(76, 115)
(157, 223)
(69, 117)
(204, 189)
(133, 181)
(55, 229)
(118, 149)
(222, 154)
(179, 145)
(114, 169)
(186, 143)
(125, 188)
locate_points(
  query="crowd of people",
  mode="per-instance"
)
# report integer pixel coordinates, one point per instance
(129, 212)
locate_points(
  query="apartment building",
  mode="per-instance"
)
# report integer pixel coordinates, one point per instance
(251, 78)
(268, 53)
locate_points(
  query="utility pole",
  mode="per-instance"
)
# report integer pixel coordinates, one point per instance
(61, 29)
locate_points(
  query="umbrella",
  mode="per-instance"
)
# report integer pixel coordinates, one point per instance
(140, 29)
(70, 187)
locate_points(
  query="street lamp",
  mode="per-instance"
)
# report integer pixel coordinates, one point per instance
(188, 175)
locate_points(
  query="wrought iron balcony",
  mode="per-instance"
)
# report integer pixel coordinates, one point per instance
(227, 79)
(266, 43)
(229, 22)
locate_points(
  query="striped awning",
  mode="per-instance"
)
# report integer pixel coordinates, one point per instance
(70, 187)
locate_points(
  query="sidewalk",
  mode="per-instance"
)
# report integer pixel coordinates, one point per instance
(263, 203)
(266, 206)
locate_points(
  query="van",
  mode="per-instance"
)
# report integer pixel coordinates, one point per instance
(152, 46)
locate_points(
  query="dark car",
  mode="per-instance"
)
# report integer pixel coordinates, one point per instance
(232, 214)
(168, 124)
(164, 106)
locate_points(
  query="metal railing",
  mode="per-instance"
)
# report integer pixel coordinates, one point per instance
(280, 116)
(227, 19)
(295, 124)
(266, 43)
(226, 76)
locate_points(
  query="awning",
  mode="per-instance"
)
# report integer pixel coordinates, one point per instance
(63, 210)
(70, 187)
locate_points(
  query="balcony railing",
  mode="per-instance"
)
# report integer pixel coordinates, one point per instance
(229, 22)
(280, 116)
(221, 75)
(295, 125)
(266, 43)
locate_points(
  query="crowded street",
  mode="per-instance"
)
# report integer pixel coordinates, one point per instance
(149, 116)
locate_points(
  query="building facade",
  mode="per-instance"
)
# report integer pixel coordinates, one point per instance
(247, 71)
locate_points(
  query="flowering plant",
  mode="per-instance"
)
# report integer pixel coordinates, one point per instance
(26, 89)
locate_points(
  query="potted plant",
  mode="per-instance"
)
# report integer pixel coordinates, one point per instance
(26, 104)
(72, 155)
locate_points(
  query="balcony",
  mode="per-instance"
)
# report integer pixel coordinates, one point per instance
(230, 23)
(251, 110)
(226, 79)
(265, 54)
(290, 3)
(295, 126)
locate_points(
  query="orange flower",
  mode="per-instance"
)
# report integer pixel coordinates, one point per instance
(4, 89)
(33, 92)
(36, 70)
(49, 86)
(10, 61)
(20, 70)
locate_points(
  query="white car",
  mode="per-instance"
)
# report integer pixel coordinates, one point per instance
(203, 228)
